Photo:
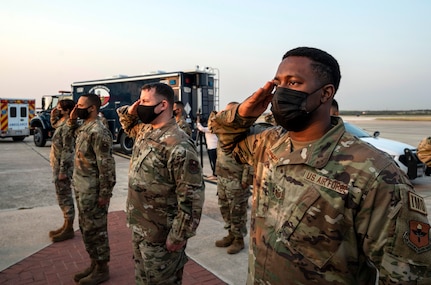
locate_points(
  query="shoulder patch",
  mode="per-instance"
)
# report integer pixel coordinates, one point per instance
(417, 203)
(193, 166)
(417, 237)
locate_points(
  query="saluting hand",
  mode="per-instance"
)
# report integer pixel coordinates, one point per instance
(73, 115)
(54, 111)
(132, 109)
(257, 103)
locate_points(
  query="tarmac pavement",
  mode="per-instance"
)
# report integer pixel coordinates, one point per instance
(29, 210)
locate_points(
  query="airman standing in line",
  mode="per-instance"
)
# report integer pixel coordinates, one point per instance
(93, 181)
(233, 190)
(166, 188)
(61, 160)
(327, 208)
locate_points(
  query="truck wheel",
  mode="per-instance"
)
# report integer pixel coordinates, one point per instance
(126, 144)
(39, 137)
(18, 139)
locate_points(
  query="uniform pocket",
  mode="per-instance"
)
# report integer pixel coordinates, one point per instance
(314, 227)
(140, 159)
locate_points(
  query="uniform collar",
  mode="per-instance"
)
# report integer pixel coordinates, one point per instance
(316, 154)
(151, 132)
(87, 125)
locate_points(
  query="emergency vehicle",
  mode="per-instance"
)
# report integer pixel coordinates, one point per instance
(197, 89)
(15, 116)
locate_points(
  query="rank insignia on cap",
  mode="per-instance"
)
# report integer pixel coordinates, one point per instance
(418, 236)
(193, 166)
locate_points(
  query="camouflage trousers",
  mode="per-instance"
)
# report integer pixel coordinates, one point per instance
(93, 223)
(233, 201)
(154, 264)
(63, 190)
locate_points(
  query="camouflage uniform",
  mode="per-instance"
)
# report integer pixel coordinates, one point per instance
(335, 212)
(424, 154)
(232, 197)
(184, 126)
(104, 120)
(424, 151)
(165, 199)
(61, 160)
(93, 177)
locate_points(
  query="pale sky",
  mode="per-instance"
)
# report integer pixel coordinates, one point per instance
(383, 47)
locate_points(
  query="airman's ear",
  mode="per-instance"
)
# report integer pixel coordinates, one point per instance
(328, 92)
(165, 104)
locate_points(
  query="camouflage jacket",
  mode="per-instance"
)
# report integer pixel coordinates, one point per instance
(424, 151)
(62, 150)
(94, 169)
(336, 212)
(166, 188)
(228, 167)
(184, 126)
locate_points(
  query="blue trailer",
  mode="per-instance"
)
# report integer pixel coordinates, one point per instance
(197, 89)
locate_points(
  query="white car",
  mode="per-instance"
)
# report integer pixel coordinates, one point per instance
(405, 155)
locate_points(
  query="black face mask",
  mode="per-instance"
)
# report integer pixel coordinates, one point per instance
(146, 113)
(289, 108)
(82, 113)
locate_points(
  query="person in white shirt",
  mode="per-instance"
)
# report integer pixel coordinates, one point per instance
(211, 142)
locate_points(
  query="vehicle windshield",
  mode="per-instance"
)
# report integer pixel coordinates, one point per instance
(46, 103)
(49, 102)
(54, 103)
(358, 132)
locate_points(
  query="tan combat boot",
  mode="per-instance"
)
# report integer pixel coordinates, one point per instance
(236, 246)
(86, 272)
(225, 241)
(99, 274)
(67, 233)
(57, 231)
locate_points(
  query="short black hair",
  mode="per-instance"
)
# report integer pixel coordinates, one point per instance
(334, 104)
(325, 65)
(180, 104)
(66, 104)
(93, 99)
(162, 90)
